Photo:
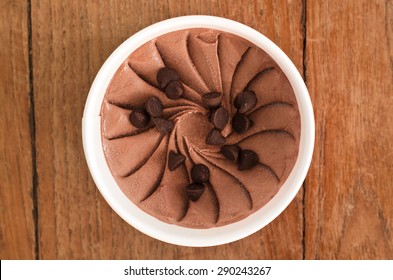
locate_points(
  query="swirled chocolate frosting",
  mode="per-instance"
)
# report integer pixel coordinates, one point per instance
(200, 128)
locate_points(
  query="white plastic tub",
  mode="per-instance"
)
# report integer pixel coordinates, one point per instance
(91, 132)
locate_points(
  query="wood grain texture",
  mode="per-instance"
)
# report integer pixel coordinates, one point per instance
(349, 72)
(349, 194)
(17, 238)
(70, 43)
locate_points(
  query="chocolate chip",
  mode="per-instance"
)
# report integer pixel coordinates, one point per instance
(200, 173)
(230, 152)
(215, 138)
(247, 159)
(139, 118)
(245, 101)
(174, 90)
(154, 107)
(220, 118)
(165, 75)
(175, 160)
(163, 126)
(240, 123)
(195, 191)
(212, 99)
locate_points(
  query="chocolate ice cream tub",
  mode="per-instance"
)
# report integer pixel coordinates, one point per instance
(198, 131)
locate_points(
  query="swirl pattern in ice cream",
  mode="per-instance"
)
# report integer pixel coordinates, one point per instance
(206, 60)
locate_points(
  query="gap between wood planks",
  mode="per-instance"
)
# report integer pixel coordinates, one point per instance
(304, 66)
(33, 132)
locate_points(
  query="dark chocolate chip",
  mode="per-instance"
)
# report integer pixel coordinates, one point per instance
(240, 123)
(247, 159)
(212, 99)
(163, 126)
(195, 191)
(200, 173)
(220, 118)
(154, 107)
(230, 152)
(139, 118)
(245, 101)
(215, 138)
(165, 75)
(175, 160)
(174, 90)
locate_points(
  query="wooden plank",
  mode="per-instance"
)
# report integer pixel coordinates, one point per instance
(349, 194)
(17, 238)
(70, 43)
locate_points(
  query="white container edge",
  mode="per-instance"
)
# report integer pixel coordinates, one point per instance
(91, 133)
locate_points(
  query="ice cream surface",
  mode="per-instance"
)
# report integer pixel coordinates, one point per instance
(200, 128)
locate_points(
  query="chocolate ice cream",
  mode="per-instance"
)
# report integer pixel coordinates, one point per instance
(200, 128)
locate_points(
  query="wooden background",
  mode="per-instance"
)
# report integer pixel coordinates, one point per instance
(50, 52)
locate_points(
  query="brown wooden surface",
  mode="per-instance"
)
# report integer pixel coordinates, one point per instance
(17, 238)
(348, 59)
(349, 189)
